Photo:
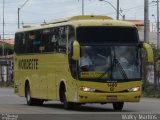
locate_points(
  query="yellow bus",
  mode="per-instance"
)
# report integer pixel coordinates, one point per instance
(78, 60)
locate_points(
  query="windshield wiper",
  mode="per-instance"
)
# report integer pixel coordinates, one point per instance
(115, 63)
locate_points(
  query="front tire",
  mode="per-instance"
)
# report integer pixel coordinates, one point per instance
(67, 105)
(118, 106)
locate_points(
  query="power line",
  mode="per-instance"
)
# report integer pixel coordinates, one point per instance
(8, 34)
(137, 7)
(129, 9)
(70, 10)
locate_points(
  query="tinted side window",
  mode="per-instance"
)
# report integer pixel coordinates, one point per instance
(54, 36)
(45, 42)
(62, 39)
(54, 39)
(71, 38)
(20, 42)
(33, 41)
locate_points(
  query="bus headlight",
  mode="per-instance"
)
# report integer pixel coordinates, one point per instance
(134, 89)
(86, 89)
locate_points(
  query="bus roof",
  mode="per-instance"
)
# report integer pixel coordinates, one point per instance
(85, 20)
(75, 18)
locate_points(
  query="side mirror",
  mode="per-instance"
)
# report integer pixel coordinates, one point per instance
(76, 50)
(149, 51)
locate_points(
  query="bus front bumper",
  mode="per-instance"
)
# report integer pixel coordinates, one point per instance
(95, 97)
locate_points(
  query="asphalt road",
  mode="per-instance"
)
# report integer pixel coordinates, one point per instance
(13, 106)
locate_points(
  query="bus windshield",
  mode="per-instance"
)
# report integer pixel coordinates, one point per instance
(109, 63)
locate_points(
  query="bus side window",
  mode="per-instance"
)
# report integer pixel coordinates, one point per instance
(45, 42)
(54, 39)
(20, 42)
(33, 42)
(36, 43)
(30, 37)
(62, 39)
(71, 38)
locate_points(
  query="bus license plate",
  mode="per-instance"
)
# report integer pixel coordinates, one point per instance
(111, 97)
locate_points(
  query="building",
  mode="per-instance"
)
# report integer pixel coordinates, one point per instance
(8, 41)
(6, 60)
(152, 34)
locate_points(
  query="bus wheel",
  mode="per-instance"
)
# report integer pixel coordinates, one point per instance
(118, 105)
(67, 105)
(29, 99)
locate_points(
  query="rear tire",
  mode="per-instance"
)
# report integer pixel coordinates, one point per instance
(118, 106)
(31, 101)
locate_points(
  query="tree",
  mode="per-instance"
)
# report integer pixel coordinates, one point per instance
(8, 49)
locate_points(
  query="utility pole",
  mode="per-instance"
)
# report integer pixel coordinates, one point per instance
(19, 12)
(82, 7)
(146, 39)
(158, 44)
(117, 9)
(18, 17)
(3, 45)
(146, 21)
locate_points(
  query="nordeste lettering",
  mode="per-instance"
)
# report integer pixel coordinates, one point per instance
(28, 64)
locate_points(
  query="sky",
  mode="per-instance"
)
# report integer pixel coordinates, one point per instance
(35, 12)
